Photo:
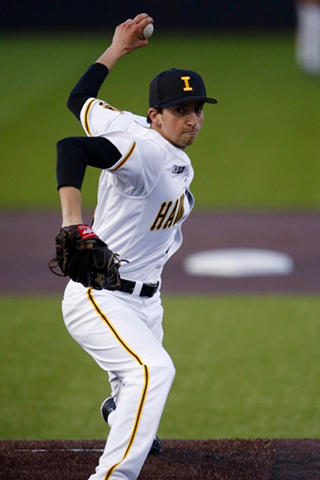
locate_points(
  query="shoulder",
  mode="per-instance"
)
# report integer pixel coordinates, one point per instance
(98, 117)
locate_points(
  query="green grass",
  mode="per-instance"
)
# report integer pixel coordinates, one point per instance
(259, 145)
(246, 367)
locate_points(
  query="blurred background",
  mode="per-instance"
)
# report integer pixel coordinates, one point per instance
(180, 15)
(251, 359)
(258, 147)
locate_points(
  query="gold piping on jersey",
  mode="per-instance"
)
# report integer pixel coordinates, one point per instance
(123, 161)
(86, 115)
(146, 380)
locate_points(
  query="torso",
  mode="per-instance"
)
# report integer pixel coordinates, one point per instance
(141, 207)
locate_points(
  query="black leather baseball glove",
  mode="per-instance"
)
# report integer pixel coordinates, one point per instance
(85, 258)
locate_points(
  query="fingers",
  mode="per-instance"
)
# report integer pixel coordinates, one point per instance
(141, 17)
(141, 20)
(139, 23)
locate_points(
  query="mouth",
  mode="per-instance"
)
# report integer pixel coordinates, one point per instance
(193, 133)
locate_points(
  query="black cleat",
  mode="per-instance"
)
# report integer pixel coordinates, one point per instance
(108, 405)
(156, 446)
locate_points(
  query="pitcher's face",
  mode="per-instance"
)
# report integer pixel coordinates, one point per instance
(179, 124)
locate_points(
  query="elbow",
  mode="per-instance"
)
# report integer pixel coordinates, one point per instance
(67, 148)
(71, 165)
(74, 106)
(64, 144)
(69, 103)
(75, 103)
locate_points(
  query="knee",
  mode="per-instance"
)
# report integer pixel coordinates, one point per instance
(162, 370)
(170, 369)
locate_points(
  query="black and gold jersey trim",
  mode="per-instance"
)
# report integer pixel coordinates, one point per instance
(86, 116)
(146, 380)
(123, 161)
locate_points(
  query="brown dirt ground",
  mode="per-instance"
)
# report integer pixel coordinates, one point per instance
(28, 242)
(181, 460)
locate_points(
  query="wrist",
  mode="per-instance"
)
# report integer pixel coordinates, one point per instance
(67, 222)
(110, 57)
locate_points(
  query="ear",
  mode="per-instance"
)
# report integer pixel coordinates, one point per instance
(155, 117)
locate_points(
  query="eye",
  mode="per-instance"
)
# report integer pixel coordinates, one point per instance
(198, 110)
(180, 110)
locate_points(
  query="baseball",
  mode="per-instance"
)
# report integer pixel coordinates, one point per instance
(147, 31)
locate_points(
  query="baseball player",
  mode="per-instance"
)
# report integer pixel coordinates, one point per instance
(143, 199)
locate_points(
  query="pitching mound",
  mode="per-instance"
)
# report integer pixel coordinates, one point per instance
(181, 459)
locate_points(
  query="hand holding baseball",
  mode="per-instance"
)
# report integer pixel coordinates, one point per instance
(128, 36)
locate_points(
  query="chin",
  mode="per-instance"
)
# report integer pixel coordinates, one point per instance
(190, 142)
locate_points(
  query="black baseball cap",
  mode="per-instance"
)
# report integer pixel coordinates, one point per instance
(175, 86)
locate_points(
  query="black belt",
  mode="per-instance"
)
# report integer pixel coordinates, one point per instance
(147, 289)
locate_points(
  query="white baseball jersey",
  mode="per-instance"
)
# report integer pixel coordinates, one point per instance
(143, 198)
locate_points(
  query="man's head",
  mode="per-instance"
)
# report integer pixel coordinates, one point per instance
(176, 99)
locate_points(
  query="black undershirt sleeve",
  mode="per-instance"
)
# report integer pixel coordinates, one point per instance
(75, 153)
(88, 86)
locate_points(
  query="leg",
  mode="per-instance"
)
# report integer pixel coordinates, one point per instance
(114, 334)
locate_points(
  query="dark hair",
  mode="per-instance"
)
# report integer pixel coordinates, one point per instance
(159, 110)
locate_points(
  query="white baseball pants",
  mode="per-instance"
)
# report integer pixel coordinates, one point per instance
(123, 333)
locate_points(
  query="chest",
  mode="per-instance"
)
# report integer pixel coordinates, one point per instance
(171, 201)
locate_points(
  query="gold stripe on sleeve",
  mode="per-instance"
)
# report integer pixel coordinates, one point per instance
(123, 161)
(146, 380)
(86, 117)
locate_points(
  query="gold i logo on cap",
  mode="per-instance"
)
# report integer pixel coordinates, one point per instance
(187, 87)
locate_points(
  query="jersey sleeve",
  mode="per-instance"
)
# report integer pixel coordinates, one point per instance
(138, 169)
(97, 116)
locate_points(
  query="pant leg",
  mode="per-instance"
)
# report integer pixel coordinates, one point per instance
(153, 319)
(112, 330)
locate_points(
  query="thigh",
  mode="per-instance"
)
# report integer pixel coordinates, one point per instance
(111, 329)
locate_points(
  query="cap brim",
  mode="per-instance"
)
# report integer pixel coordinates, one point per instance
(177, 101)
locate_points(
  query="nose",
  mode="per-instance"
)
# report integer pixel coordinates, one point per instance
(192, 119)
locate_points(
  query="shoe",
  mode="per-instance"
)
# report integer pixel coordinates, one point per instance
(156, 446)
(108, 405)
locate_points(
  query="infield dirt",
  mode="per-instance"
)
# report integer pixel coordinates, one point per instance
(180, 460)
(28, 242)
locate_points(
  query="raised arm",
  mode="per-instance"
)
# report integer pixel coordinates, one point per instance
(127, 38)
